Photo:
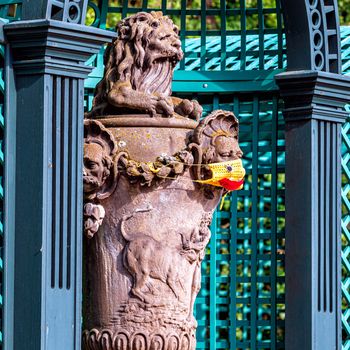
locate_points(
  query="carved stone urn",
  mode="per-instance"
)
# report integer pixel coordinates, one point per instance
(149, 196)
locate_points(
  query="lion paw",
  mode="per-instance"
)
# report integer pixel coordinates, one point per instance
(197, 111)
(161, 105)
(190, 109)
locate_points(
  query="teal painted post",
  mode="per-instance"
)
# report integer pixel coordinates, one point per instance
(233, 278)
(49, 65)
(213, 291)
(274, 226)
(314, 113)
(9, 200)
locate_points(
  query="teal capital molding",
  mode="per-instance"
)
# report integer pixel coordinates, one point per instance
(314, 95)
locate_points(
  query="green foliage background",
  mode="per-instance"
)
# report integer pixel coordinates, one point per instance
(344, 11)
(213, 22)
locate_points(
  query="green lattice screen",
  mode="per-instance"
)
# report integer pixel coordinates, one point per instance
(241, 304)
(345, 35)
(246, 49)
(204, 19)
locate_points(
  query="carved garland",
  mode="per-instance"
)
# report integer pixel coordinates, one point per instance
(163, 167)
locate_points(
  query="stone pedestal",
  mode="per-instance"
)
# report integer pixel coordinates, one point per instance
(142, 267)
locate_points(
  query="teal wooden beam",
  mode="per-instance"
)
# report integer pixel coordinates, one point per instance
(215, 82)
(9, 113)
(221, 82)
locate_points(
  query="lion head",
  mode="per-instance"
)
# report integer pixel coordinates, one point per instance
(153, 38)
(215, 140)
(144, 55)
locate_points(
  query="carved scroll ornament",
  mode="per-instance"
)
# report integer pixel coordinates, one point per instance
(151, 185)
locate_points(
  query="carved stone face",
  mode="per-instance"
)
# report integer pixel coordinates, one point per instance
(226, 149)
(96, 167)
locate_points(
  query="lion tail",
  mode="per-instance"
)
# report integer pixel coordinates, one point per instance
(122, 226)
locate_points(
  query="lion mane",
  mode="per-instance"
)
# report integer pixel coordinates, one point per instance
(142, 57)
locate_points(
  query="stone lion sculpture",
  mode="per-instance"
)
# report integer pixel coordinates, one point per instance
(139, 68)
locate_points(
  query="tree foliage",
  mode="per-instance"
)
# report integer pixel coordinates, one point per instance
(344, 11)
(193, 22)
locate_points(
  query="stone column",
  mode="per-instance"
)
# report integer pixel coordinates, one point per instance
(49, 65)
(313, 113)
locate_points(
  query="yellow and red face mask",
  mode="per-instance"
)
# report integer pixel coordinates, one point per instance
(229, 175)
